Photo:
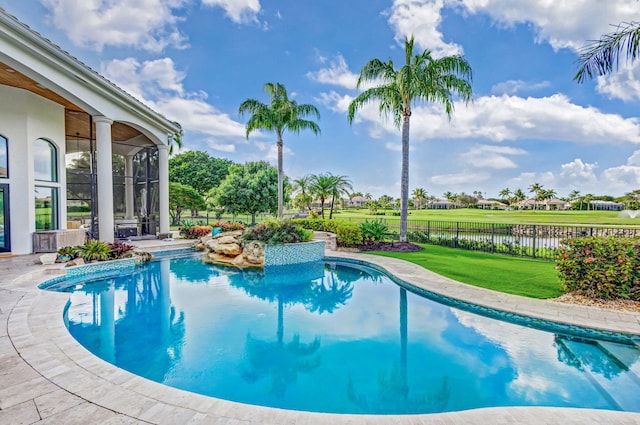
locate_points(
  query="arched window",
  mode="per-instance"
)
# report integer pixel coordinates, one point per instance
(45, 161)
(4, 157)
(45, 168)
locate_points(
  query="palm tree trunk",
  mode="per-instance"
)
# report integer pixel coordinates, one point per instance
(280, 177)
(404, 180)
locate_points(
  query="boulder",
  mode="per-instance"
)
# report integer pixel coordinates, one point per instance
(228, 249)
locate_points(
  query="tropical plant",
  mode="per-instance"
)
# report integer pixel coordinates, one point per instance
(420, 195)
(322, 188)
(279, 115)
(340, 185)
(422, 78)
(302, 189)
(119, 249)
(505, 193)
(602, 56)
(95, 250)
(373, 231)
(68, 251)
(277, 232)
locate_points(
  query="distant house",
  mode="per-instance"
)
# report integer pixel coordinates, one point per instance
(606, 205)
(487, 204)
(442, 204)
(356, 202)
(543, 204)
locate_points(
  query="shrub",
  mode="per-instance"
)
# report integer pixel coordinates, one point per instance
(228, 226)
(94, 250)
(189, 230)
(119, 249)
(374, 231)
(347, 233)
(600, 267)
(69, 251)
(277, 232)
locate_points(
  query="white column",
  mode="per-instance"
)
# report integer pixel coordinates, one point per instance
(129, 206)
(163, 187)
(105, 178)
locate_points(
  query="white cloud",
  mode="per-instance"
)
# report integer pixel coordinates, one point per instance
(337, 73)
(500, 118)
(421, 18)
(335, 101)
(449, 180)
(239, 11)
(159, 85)
(563, 24)
(141, 24)
(577, 172)
(490, 156)
(623, 84)
(222, 147)
(512, 87)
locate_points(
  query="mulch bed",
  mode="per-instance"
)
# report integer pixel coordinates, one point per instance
(573, 298)
(391, 247)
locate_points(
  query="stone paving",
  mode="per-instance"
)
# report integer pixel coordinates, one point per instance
(46, 377)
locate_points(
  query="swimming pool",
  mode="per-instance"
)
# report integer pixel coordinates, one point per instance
(336, 337)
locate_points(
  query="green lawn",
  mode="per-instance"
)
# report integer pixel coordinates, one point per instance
(604, 218)
(512, 275)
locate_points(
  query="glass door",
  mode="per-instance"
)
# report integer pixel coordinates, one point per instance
(5, 233)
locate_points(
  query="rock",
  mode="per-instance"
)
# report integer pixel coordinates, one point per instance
(48, 258)
(253, 253)
(227, 239)
(228, 249)
(77, 262)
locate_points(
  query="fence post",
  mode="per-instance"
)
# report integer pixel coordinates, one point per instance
(457, 233)
(493, 246)
(533, 244)
(428, 231)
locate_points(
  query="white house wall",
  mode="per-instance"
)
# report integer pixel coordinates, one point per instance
(24, 119)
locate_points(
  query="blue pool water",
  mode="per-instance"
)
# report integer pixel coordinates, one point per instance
(336, 337)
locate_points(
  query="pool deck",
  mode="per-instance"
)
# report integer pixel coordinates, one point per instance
(46, 377)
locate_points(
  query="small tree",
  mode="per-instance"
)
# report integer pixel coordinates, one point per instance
(181, 198)
(251, 188)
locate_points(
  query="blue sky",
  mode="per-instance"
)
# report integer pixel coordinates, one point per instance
(195, 61)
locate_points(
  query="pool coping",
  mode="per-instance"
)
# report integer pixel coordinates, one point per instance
(51, 366)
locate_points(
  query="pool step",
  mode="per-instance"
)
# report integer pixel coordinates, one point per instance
(606, 370)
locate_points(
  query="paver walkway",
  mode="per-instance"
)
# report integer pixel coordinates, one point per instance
(46, 377)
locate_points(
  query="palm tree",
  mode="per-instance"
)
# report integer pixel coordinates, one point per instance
(301, 187)
(420, 195)
(321, 188)
(340, 186)
(535, 188)
(422, 78)
(575, 196)
(279, 115)
(505, 193)
(450, 196)
(602, 56)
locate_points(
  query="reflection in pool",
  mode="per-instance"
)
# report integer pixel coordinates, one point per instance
(336, 337)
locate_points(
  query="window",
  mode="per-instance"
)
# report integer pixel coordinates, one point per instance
(45, 167)
(45, 161)
(46, 208)
(4, 158)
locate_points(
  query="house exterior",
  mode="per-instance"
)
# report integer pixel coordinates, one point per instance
(70, 137)
(442, 204)
(491, 205)
(543, 204)
(607, 205)
(356, 202)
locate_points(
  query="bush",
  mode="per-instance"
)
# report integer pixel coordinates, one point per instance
(228, 226)
(347, 233)
(94, 250)
(277, 232)
(189, 230)
(374, 231)
(119, 249)
(600, 267)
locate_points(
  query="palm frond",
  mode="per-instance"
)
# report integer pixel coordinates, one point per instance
(601, 57)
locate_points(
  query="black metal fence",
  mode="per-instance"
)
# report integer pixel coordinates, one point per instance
(539, 241)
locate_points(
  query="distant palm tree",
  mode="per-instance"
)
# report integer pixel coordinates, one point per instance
(340, 185)
(535, 189)
(422, 78)
(420, 195)
(575, 196)
(301, 187)
(601, 57)
(505, 193)
(368, 195)
(518, 195)
(450, 196)
(322, 186)
(587, 199)
(279, 115)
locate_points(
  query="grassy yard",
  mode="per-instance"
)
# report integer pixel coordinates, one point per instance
(604, 218)
(519, 276)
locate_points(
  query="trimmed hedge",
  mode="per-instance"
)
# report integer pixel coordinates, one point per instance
(601, 267)
(347, 233)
